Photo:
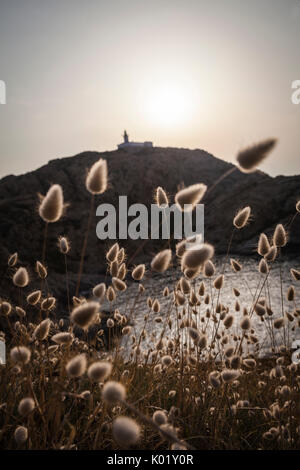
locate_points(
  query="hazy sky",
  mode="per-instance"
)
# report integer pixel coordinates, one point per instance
(209, 74)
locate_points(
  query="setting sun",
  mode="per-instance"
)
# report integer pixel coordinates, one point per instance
(169, 105)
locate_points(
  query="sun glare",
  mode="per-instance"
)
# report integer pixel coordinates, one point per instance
(168, 106)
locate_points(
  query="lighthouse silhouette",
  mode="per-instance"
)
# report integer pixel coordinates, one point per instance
(127, 144)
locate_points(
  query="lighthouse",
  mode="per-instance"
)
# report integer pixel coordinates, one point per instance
(127, 144)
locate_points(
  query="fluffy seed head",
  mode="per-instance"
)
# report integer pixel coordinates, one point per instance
(194, 334)
(21, 278)
(48, 304)
(191, 273)
(229, 375)
(295, 274)
(298, 206)
(110, 323)
(34, 297)
(156, 306)
(250, 363)
(197, 255)
(169, 432)
(121, 256)
(271, 255)
(219, 281)
(5, 308)
(42, 330)
(112, 253)
(114, 268)
(246, 323)
(279, 237)
(166, 360)
(125, 431)
(185, 286)
(228, 322)
(236, 266)
(263, 266)
(118, 284)
(63, 338)
(85, 314)
(251, 157)
(161, 198)
(209, 268)
(76, 367)
(52, 205)
(214, 379)
(52, 349)
(166, 291)
(279, 323)
(180, 248)
(113, 392)
(235, 362)
(96, 180)
(159, 417)
(122, 272)
(242, 217)
(202, 343)
(161, 261)
(236, 292)
(78, 300)
(259, 309)
(126, 330)
(99, 291)
(138, 272)
(64, 245)
(99, 371)
(190, 196)
(20, 354)
(26, 406)
(20, 311)
(110, 294)
(12, 260)
(180, 298)
(263, 246)
(41, 270)
(21, 435)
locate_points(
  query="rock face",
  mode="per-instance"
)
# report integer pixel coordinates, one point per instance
(137, 174)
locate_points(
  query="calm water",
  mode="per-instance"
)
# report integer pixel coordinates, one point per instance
(246, 282)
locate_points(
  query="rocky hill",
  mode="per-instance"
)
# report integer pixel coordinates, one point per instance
(136, 174)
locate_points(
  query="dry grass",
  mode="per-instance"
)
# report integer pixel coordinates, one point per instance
(203, 380)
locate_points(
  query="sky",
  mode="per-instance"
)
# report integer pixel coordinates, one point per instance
(215, 75)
